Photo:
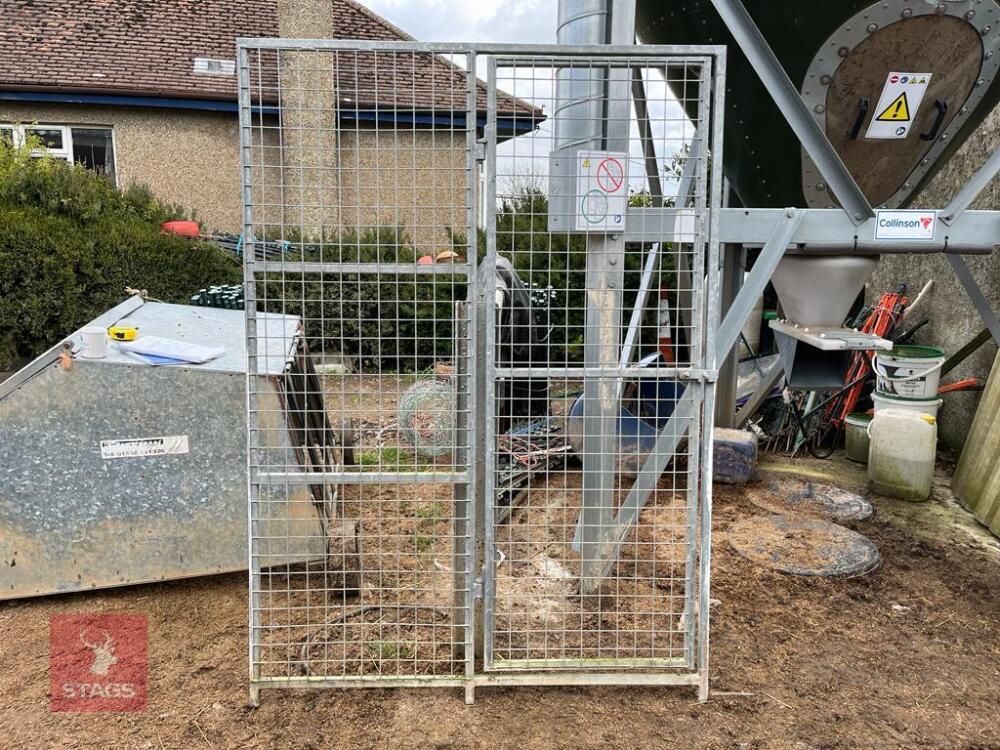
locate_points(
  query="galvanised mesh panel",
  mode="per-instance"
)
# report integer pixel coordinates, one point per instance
(359, 177)
(500, 401)
(590, 568)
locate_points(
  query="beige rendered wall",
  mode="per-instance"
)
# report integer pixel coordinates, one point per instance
(415, 179)
(185, 157)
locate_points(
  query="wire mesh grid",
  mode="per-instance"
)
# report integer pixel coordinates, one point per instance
(590, 386)
(468, 332)
(359, 167)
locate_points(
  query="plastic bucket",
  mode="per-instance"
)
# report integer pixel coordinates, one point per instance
(909, 371)
(856, 440)
(919, 405)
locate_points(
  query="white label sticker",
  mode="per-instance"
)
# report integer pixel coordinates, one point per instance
(898, 105)
(916, 226)
(601, 191)
(151, 446)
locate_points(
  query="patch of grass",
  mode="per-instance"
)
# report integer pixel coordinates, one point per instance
(392, 458)
(390, 650)
(423, 542)
(435, 511)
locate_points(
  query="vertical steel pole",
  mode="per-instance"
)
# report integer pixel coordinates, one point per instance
(486, 316)
(587, 97)
(733, 263)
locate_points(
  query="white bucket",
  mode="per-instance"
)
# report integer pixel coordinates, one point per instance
(909, 371)
(919, 405)
(95, 342)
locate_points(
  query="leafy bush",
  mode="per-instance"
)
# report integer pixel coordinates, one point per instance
(403, 322)
(70, 242)
(394, 322)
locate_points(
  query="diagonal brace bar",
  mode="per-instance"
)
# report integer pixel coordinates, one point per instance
(964, 274)
(686, 408)
(971, 190)
(786, 96)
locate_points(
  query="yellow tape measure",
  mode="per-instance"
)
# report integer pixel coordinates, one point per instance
(123, 333)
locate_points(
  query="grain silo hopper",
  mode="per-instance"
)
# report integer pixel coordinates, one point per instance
(117, 472)
(850, 105)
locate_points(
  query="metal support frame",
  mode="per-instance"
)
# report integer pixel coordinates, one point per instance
(964, 274)
(971, 189)
(768, 380)
(725, 338)
(823, 231)
(733, 262)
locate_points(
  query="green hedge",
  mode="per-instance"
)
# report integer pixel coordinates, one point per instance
(70, 242)
(390, 322)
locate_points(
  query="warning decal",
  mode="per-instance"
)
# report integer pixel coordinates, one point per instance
(898, 105)
(602, 191)
(898, 111)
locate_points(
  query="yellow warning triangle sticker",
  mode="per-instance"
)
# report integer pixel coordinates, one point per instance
(898, 111)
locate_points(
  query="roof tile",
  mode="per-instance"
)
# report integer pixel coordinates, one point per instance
(147, 47)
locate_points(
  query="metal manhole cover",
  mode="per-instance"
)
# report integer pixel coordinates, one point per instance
(803, 546)
(812, 499)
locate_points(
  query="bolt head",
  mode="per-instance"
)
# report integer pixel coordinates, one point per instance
(872, 28)
(819, 109)
(825, 80)
(843, 51)
(907, 12)
(970, 15)
(821, 186)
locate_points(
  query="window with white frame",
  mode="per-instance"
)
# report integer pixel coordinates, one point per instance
(93, 147)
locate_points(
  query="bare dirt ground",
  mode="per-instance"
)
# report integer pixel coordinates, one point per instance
(906, 657)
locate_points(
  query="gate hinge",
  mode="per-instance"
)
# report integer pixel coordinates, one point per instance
(477, 588)
(481, 150)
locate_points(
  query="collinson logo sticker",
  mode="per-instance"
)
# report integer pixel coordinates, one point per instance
(916, 226)
(97, 662)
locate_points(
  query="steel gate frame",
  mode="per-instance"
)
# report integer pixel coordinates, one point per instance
(473, 583)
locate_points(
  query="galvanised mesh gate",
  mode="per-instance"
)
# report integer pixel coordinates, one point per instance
(500, 396)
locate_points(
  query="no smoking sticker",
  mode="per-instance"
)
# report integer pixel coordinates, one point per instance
(898, 105)
(602, 191)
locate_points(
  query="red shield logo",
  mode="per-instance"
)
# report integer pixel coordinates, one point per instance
(97, 662)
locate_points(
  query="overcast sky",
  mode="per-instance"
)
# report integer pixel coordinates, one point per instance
(529, 21)
(472, 20)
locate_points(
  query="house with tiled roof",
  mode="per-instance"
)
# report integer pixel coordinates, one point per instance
(146, 92)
